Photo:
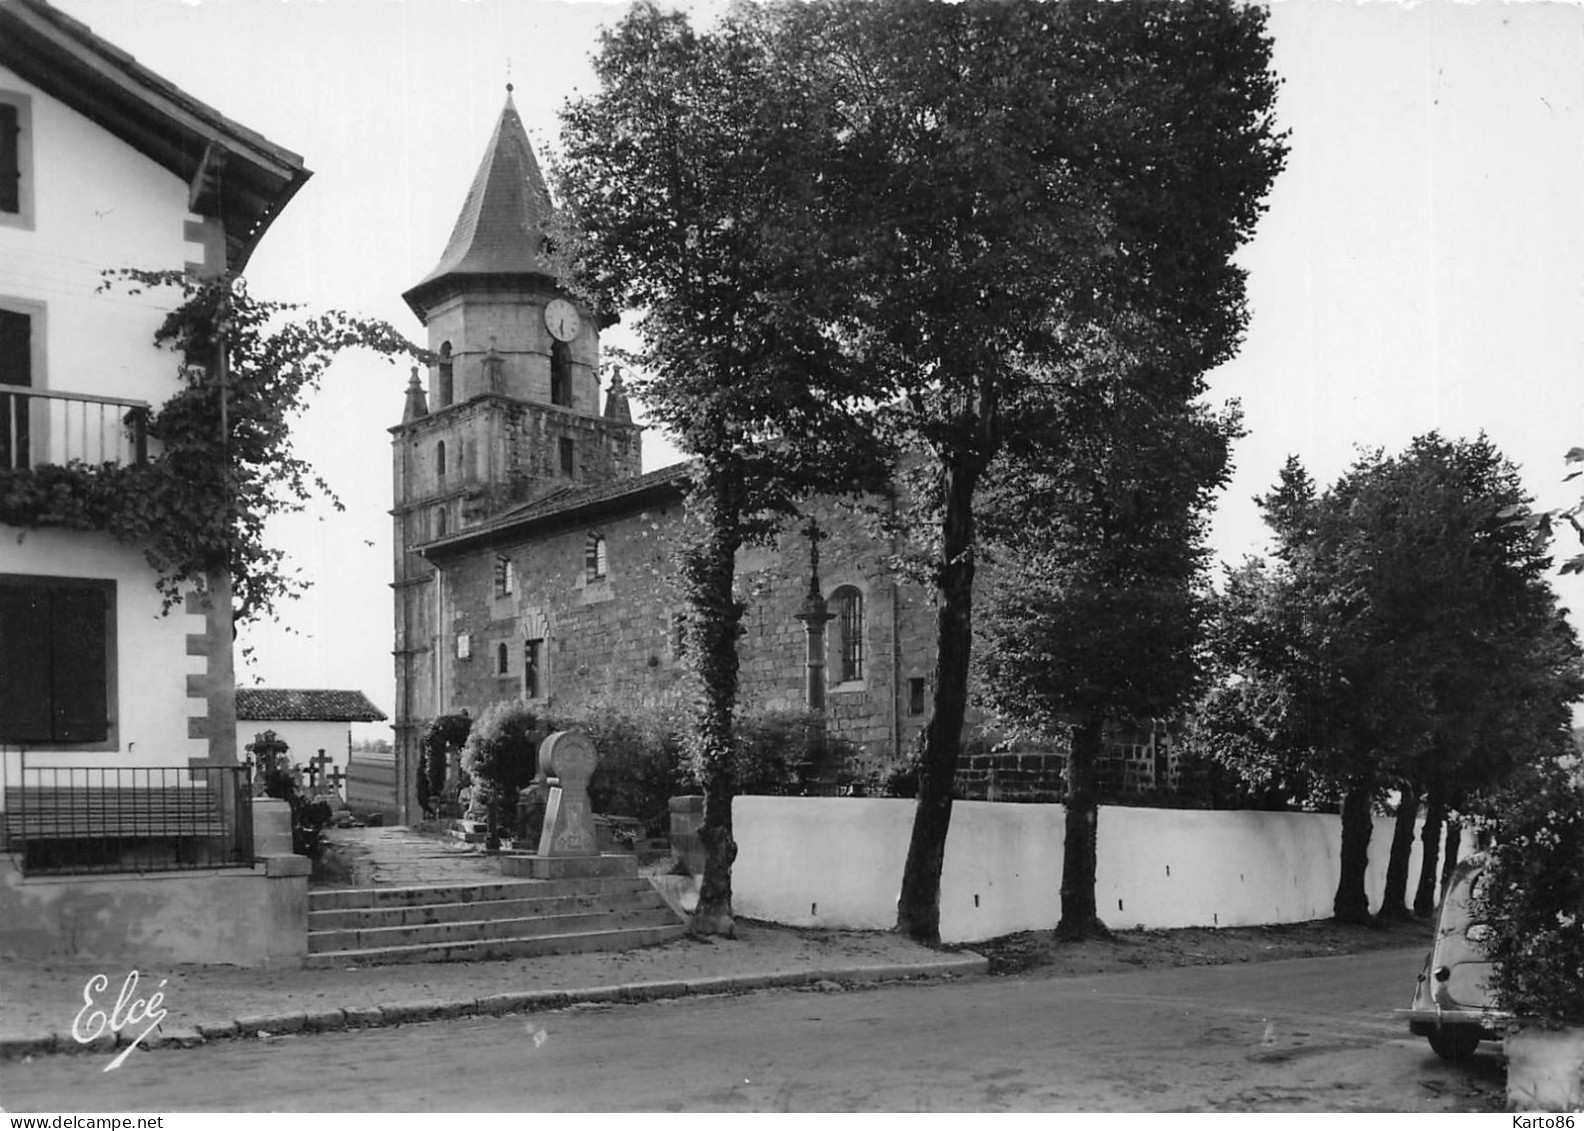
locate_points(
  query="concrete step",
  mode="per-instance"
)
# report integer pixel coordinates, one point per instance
(362, 918)
(470, 930)
(337, 899)
(476, 950)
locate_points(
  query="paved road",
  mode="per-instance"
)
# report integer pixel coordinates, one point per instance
(1305, 1035)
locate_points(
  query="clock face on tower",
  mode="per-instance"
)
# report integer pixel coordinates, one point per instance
(561, 317)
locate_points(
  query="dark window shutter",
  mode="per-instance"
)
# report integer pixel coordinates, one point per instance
(10, 160)
(81, 710)
(53, 663)
(16, 368)
(16, 348)
(26, 701)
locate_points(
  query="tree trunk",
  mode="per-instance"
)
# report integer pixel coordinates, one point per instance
(1394, 900)
(1079, 917)
(1454, 841)
(708, 569)
(1352, 900)
(1429, 891)
(918, 907)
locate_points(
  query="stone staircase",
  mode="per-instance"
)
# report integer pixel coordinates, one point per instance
(467, 922)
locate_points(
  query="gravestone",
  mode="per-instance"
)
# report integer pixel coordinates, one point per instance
(568, 846)
(568, 758)
(318, 777)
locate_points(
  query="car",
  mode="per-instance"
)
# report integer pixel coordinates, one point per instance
(1451, 1003)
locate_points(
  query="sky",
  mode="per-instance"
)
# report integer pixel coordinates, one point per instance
(1419, 268)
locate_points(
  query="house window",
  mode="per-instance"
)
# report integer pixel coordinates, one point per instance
(561, 374)
(533, 679)
(567, 463)
(57, 653)
(594, 561)
(440, 464)
(16, 369)
(502, 659)
(505, 577)
(16, 159)
(444, 392)
(849, 633)
(916, 696)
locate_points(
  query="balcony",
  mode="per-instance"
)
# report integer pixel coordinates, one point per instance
(39, 426)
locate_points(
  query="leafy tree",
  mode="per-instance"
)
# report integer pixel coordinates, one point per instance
(1405, 639)
(1027, 198)
(687, 174)
(859, 228)
(1098, 605)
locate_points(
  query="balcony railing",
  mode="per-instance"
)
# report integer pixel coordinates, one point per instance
(39, 426)
(80, 819)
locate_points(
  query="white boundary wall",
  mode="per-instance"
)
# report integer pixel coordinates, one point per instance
(837, 862)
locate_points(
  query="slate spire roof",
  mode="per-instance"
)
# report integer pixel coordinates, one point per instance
(505, 222)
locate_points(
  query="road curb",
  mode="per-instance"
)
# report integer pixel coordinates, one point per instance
(260, 1026)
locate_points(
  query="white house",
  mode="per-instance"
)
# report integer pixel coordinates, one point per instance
(103, 165)
(314, 723)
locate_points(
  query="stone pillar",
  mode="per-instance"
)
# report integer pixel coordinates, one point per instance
(815, 617)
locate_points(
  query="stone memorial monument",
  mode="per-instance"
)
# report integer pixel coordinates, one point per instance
(568, 846)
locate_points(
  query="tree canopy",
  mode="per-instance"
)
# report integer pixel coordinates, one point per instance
(1404, 638)
(860, 232)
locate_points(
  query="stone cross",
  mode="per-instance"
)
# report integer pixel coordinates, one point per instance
(568, 758)
(334, 780)
(318, 778)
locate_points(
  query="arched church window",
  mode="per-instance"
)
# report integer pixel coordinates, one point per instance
(440, 468)
(502, 659)
(594, 562)
(440, 522)
(560, 374)
(848, 605)
(444, 392)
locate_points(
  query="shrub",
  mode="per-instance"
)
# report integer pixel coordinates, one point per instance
(640, 762)
(444, 734)
(502, 756)
(1532, 893)
(782, 751)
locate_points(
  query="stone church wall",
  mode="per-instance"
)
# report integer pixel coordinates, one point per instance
(614, 643)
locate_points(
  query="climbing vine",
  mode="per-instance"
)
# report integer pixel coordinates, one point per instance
(222, 461)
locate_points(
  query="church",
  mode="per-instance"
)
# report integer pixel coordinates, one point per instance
(534, 558)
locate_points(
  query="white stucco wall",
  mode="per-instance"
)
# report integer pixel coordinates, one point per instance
(98, 203)
(303, 740)
(837, 862)
(152, 663)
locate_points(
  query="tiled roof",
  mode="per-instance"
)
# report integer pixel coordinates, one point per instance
(573, 503)
(505, 219)
(272, 705)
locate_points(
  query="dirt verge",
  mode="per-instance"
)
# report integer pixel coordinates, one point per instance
(1040, 952)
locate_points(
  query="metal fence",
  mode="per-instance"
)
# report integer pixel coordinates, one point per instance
(39, 426)
(71, 820)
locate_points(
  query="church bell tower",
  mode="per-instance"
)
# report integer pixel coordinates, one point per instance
(512, 407)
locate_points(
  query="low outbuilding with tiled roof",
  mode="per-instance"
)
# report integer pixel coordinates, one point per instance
(315, 724)
(311, 705)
